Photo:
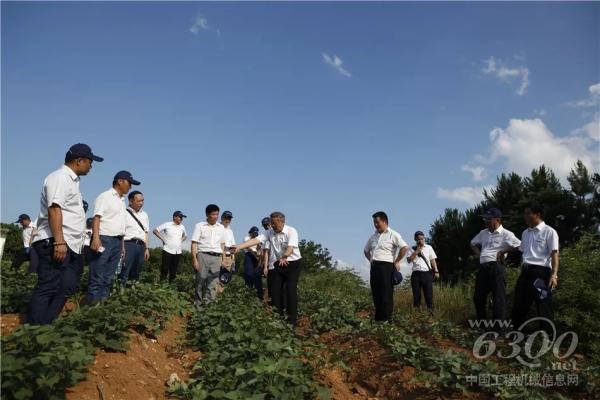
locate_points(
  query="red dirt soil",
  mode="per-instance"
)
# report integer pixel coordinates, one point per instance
(141, 372)
(10, 322)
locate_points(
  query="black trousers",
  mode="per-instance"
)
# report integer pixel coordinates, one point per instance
(170, 263)
(382, 289)
(422, 281)
(526, 294)
(490, 278)
(284, 285)
(19, 258)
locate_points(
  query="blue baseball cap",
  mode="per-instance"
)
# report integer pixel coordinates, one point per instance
(85, 205)
(179, 214)
(396, 277)
(419, 233)
(22, 217)
(252, 230)
(492, 213)
(227, 215)
(81, 150)
(265, 220)
(225, 276)
(127, 176)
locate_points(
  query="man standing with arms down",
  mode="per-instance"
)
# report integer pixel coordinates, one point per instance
(424, 270)
(539, 270)
(28, 231)
(136, 238)
(208, 243)
(172, 235)
(491, 245)
(284, 247)
(384, 250)
(108, 229)
(59, 238)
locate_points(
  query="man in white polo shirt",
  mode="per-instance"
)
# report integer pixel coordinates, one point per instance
(228, 256)
(540, 263)
(108, 229)
(28, 229)
(424, 270)
(172, 235)
(136, 239)
(208, 243)
(284, 248)
(491, 245)
(59, 238)
(384, 250)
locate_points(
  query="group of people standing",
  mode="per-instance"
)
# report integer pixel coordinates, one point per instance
(61, 239)
(117, 236)
(539, 267)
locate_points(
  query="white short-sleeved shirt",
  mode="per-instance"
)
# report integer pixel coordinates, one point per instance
(251, 248)
(110, 207)
(419, 264)
(61, 187)
(538, 244)
(492, 242)
(229, 237)
(280, 241)
(209, 237)
(133, 230)
(27, 232)
(173, 235)
(384, 246)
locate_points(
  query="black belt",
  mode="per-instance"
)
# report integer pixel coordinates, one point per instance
(136, 241)
(211, 253)
(527, 266)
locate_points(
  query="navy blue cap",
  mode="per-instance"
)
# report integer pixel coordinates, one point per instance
(396, 277)
(492, 213)
(22, 217)
(179, 214)
(419, 233)
(225, 276)
(265, 220)
(252, 230)
(81, 150)
(85, 205)
(127, 176)
(226, 215)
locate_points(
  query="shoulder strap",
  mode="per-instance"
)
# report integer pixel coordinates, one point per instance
(136, 220)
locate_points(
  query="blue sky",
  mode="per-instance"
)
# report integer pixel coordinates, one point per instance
(325, 111)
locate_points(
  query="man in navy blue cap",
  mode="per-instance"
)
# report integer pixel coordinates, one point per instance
(59, 238)
(108, 229)
(28, 232)
(491, 245)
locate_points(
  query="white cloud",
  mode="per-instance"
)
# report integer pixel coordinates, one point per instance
(507, 74)
(526, 144)
(478, 172)
(336, 63)
(592, 100)
(592, 129)
(469, 195)
(200, 24)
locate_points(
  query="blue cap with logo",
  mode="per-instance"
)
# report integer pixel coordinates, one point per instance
(265, 221)
(252, 230)
(22, 217)
(225, 276)
(492, 213)
(127, 176)
(85, 205)
(81, 150)
(179, 214)
(227, 215)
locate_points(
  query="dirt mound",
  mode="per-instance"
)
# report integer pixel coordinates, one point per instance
(372, 372)
(10, 322)
(140, 373)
